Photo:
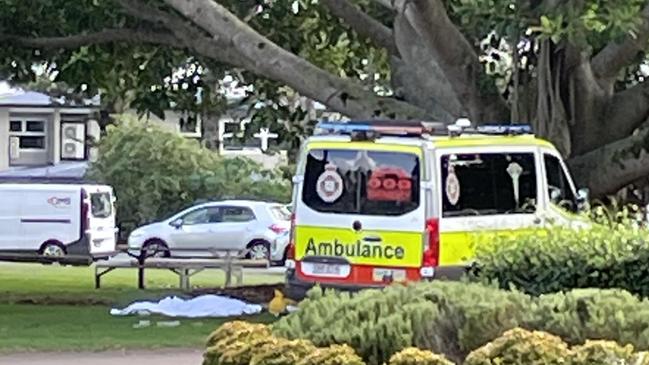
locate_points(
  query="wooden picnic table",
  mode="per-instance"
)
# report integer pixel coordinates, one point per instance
(231, 264)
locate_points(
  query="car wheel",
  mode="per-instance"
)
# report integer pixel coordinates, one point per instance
(259, 250)
(53, 250)
(154, 248)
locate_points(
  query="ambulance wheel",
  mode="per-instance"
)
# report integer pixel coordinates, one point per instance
(52, 250)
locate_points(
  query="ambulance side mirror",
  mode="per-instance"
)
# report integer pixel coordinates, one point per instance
(583, 199)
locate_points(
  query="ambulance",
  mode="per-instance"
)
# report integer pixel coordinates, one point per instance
(378, 202)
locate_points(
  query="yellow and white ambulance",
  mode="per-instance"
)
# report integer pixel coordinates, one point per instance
(378, 202)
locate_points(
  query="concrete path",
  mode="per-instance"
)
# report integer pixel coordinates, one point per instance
(158, 357)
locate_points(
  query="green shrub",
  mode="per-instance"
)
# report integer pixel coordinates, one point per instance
(239, 352)
(332, 355)
(283, 352)
(518, 347)
(611, 254)
(602, 353)
(585, 314)
(237, 331)
(445, 317)
(156, 173)
(234, 343)
(415, 356)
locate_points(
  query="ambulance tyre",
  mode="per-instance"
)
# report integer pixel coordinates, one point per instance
(295, 292)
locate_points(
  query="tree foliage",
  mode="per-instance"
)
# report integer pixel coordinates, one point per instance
(156, 173)
(574, 69)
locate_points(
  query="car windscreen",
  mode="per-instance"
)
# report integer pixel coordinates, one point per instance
(348, 181)
(488, 183)
(101, 205)
(280, 213)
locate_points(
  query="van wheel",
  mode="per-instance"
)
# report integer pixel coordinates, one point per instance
(52, 250)
(154, 248)
(259, 250)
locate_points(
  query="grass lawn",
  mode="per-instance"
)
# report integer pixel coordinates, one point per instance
(68, 314)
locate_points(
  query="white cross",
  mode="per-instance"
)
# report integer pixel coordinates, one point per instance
(264, 135)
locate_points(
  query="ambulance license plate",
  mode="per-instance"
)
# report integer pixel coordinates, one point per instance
(325, 270)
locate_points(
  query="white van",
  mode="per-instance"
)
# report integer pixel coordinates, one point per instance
(58, 221)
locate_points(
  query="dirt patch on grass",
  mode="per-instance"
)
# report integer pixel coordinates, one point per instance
(256, 294)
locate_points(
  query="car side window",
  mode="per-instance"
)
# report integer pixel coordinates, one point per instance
(203, 216)
(559, 188)
(237, 214)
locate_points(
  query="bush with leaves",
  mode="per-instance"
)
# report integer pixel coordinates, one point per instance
(518, 346)
(445, 317)
(612, 253)
(583, 314)
(156, 173)
(332, 355)
(415, 356)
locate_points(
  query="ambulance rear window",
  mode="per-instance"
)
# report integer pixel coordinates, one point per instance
(361, 182)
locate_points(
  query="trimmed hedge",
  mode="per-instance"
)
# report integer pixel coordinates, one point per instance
(415, 356)
(454, 318)
(242, 343)
(522, 347)
(613, 253)
(444, 317)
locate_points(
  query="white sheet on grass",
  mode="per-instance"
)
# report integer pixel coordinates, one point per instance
(201, 306)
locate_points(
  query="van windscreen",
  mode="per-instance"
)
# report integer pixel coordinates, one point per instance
(488, 183)
(361, 182)
(101, 205)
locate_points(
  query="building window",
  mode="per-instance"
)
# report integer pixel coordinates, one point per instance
(32, 143)
(15, 126)
(35, 126)
(31, 134)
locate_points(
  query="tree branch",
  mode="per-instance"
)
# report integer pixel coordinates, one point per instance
(266, 58)
(615, 165)
(615, 56)
(100, 37)
(626, 111)
(195, 39)
(362, 23)
(456, 57)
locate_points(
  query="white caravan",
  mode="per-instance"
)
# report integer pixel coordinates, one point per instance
(59, 221)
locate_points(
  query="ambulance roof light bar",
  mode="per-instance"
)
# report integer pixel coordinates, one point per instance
(463, 125)
(375, 128)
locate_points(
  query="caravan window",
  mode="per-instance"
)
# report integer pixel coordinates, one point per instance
(101, 205)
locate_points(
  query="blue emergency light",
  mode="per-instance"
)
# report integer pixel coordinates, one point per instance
(372, 128)
(504, 129)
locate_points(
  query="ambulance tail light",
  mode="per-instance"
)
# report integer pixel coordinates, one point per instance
(290, 250)
(431, 248)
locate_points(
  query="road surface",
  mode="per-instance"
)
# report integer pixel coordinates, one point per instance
(158, 357)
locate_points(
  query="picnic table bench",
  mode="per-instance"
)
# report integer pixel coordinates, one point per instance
(231, 264)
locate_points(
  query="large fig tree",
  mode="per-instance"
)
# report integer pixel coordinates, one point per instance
(574, 69)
